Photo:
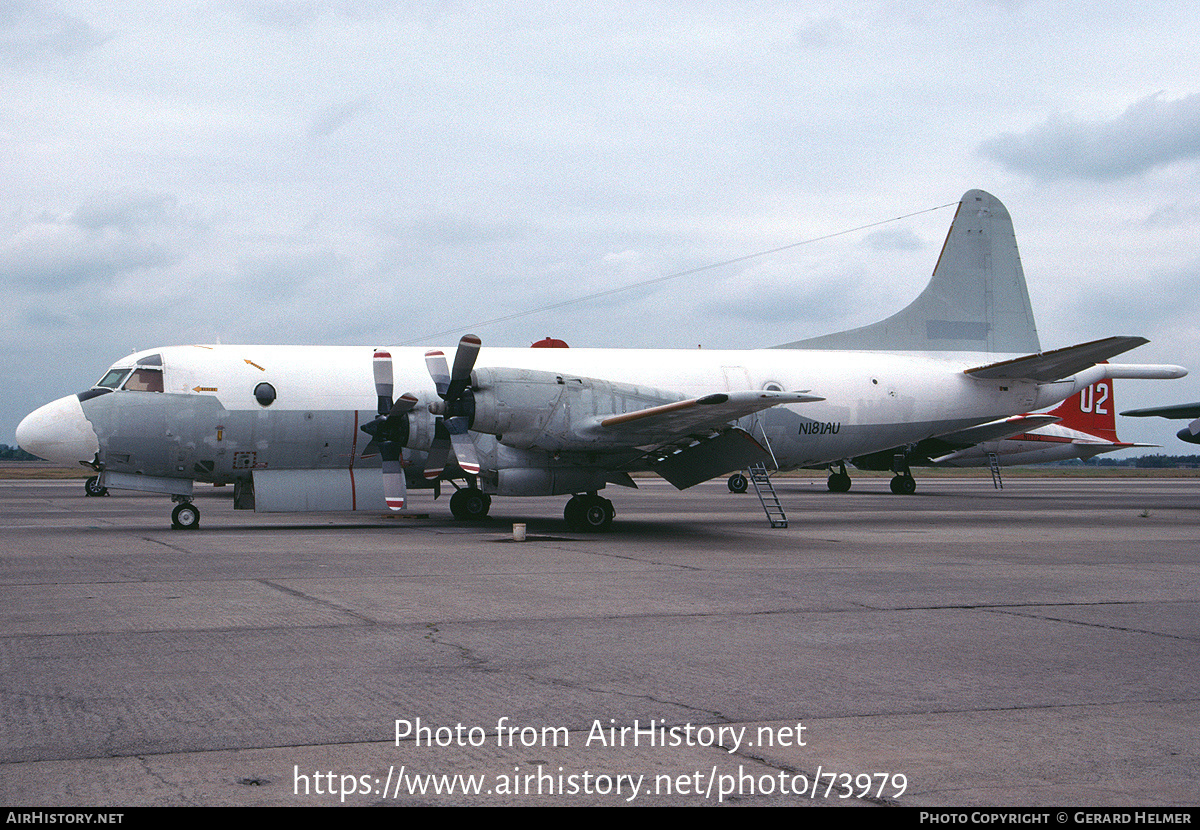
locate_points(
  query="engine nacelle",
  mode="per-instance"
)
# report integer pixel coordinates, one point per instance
(531, 409)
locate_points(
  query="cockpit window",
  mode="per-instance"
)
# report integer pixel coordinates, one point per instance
(112, 378)
(145, 380)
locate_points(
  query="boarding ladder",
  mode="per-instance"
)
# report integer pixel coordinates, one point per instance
(994, 463)
(766, 495)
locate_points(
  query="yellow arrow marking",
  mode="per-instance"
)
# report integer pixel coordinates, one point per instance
(256, 366)
(204, 389)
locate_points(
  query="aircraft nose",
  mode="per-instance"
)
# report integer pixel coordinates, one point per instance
(59, 431)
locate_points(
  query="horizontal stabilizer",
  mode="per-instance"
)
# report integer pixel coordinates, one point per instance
(1045, 367)
(734, 449)
(999, 430)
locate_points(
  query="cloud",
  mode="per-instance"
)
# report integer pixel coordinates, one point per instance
(30, 31)
(1152, 132)
(126, 212)
(280, 14)
(107, 236)
(333, 118)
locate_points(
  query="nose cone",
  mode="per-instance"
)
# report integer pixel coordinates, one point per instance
(60, 432)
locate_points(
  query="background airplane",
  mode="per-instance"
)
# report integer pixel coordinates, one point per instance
(1082, 426)
(1085, 426)
(288, 425)
(1190, 433)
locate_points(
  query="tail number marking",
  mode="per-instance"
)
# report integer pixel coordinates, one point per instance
(1094, 399)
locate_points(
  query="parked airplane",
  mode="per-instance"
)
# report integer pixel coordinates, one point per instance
(1083, 426)
(1190, 433)
(286, 424)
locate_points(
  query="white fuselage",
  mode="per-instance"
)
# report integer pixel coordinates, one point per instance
(322, 395)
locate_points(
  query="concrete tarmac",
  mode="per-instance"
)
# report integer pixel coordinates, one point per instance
(963, 647)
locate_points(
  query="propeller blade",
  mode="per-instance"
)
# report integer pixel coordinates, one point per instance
(464, 362)
(452, 432)
(382, 365)
(403, 405)
(435, 359)
(394, 488)
(464, 448)
(438, 451)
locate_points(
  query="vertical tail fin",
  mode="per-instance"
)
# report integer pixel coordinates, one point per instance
(976, 300)
(1091, 411)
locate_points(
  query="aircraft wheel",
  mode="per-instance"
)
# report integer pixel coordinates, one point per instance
(93, 487)
(904, 485)
(839, 483)
(185, 517)
(470, 504)
(738, 483)
(589, 513)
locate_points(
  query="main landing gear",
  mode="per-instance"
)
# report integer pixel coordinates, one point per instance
(839, 482)
(584, 513)
(185, 516)
(470, 504)
(903, 484)
(589, 513)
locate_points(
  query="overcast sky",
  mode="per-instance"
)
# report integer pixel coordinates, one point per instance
(379, 172)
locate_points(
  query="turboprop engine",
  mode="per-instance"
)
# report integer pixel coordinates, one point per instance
(530, 409)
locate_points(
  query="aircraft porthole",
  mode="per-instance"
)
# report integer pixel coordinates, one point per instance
(264, 393)
(772, 386)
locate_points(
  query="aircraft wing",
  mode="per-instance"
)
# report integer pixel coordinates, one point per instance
(692, 440)
(1182, 410)
(998, 430)
(939, 447)
(1044, 367)
(671, 421)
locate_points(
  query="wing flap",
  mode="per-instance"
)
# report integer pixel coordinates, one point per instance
(733, 449)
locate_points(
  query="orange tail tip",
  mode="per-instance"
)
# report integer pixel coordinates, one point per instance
(1092, 411)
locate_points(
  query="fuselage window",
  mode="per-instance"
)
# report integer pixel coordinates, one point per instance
(145, 380)
(264, 393)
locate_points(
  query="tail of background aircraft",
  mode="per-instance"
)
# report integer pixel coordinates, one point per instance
(976, 300)
(1091, 411)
